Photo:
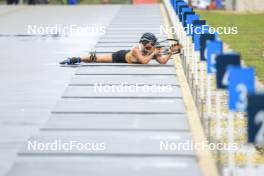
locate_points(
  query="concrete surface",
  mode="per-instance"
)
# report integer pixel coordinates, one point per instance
(132, 144)
(31, 80)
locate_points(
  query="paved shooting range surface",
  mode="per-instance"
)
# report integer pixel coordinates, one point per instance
(131, 124)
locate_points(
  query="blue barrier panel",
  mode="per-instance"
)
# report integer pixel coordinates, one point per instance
(255, 111)
(180, 10)
(196, 23)
(198, 30)
(189, 23)
(179, 6)
(184, 17)
(203, 39)
(175, 4)
(184, 10)
(222, 62)
(241, 82)
(213, 48)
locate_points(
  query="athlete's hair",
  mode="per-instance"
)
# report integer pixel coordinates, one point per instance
(148, 37)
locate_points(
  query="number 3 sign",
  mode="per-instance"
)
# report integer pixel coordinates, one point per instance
(255, 112)
(241, 81)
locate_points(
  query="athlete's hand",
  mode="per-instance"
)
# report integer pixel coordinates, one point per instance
(175, 47)
(149, 50)
(157, 51)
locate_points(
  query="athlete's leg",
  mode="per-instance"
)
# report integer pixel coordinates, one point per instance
(116, 57)
(100, 59)
(90, 58)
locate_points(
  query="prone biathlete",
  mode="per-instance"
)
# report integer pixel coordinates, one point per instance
(147, 49)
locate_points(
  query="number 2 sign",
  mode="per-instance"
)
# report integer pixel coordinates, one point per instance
(255, 112)
(241, 82)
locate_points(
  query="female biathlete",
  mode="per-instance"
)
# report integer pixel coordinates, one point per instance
(147, 49)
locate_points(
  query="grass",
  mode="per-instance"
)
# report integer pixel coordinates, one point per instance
(250, 38)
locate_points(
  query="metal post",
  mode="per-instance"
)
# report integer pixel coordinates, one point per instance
(231, 164)
(218, 115)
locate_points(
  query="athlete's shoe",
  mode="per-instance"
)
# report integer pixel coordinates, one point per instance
(71, 60)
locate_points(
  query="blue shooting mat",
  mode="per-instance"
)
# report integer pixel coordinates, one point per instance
(184, 10)
(175, 4)
(189, 23)
(213, 48)
(184, 17)
(198, 30)
(181, 5)
(196, 23)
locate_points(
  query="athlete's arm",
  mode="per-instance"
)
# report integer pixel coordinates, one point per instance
(141, 58)
(163, 59)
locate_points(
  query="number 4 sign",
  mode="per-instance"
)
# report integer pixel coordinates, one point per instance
(255, 112)
(241, 82)
(222, 62)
